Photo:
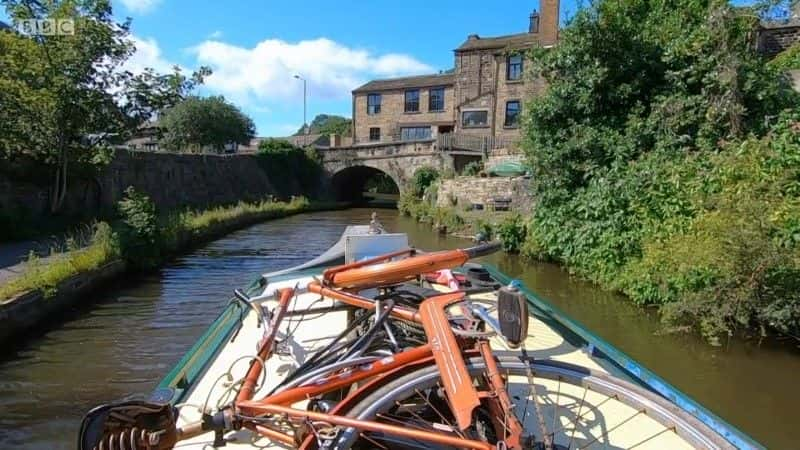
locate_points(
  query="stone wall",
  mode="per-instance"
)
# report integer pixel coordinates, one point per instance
(171, 180)
(777, 37)
(462, 192)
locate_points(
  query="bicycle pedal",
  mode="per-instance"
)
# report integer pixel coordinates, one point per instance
(512, 312)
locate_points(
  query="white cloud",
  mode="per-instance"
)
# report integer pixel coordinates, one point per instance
(215, 35)
(265, 71)
(147, 54)
(140, 6)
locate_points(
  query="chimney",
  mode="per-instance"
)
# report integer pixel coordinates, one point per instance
(548, 27)
(534, 25)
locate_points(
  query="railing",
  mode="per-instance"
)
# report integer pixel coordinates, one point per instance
(457, 141)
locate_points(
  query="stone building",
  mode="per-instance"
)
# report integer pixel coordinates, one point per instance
(479, 100)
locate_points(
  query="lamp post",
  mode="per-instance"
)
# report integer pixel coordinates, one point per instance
(305, 123)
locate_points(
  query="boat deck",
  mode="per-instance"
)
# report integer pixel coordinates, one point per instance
(584, 417)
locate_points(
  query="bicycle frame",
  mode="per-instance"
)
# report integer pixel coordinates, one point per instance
(443, 348)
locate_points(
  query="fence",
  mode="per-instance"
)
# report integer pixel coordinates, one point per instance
(484, 144)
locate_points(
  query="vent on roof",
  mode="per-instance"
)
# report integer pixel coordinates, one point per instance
(473, 37)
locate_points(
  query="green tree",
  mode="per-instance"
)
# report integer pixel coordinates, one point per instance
(199, 123)
(328, 124)
(64, 99)
(642, 95)
(56, 101)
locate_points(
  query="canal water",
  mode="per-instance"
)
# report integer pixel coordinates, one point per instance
(129, 336)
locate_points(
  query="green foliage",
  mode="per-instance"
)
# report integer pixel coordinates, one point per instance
(46, 275)
(290, 169)
(646, 106)
(197, 124)
(484, 229)
(65, 98)
(788, 59)
(473, 168)
(329, 124)
(512, 233)
(140, 229)
(382, 184)
(423, 177)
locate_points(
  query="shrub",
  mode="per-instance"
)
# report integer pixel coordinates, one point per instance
(140, 232)
(512, 233)
(788, 59)
(290, 169)
(423, 177)
(473, 168)
(447, 220)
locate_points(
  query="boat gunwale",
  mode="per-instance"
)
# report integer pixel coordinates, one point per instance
(570, 329)
(603, 350)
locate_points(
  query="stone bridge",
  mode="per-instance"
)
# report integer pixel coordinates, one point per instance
(349, 168)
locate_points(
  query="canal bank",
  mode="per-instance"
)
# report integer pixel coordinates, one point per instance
(46, 286)
(125, 338)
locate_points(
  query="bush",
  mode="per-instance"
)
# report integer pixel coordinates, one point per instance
(652, 167)
(473, 168)
(788, 59)
(423, 177)
(140, 231)
(447, 220)
(290, 169)
(512, 233)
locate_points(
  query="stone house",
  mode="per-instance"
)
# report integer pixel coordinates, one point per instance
(479, 99)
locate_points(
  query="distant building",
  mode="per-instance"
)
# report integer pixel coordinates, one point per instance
(481, 97)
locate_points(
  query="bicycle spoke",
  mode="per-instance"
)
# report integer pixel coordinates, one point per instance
(652, 437)
(608, 431)
(577, 418)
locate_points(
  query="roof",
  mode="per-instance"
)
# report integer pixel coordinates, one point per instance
(791, 22)
(511, 41)
(439, 79)
(4, 26)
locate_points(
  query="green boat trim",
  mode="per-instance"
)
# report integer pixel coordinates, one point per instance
(177, 383)
(619, 363)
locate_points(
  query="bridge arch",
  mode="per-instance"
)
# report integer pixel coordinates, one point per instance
(350, 182)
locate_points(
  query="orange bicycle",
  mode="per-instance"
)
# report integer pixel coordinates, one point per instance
(411, 371)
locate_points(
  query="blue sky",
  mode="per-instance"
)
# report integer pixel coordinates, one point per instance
(254, 47)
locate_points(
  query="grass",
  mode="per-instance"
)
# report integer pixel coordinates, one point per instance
(176, 232)
(46, 274)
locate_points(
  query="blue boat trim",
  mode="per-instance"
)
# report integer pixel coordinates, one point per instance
(633, 369)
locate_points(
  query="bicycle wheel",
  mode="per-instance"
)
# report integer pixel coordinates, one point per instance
(577, 407)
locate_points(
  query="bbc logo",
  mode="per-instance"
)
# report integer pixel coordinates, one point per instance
(46, 27)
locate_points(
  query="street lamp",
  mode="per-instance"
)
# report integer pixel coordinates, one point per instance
(305, 123)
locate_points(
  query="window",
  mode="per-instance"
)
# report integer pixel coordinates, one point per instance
(415, 133)
(412, 100)
(373, 103)
(475, 118)
(436, 99)
(512, 113)
(514, 67)
(374, 134)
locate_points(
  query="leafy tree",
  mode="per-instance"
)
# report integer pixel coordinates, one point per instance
(149, 93)
(64, 99)
(642, 95)
(198, 123)
(328, 124)
(56, 103)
